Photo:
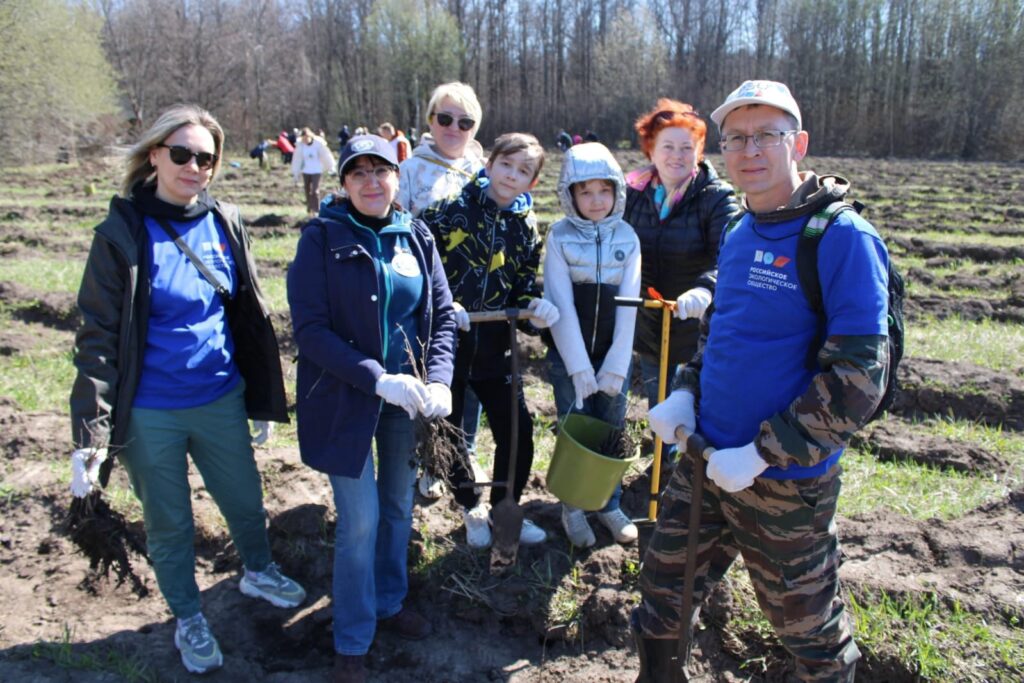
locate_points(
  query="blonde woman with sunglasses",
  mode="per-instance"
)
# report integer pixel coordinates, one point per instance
(447, 157)
(176, 352)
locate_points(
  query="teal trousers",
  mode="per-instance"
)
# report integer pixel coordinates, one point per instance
(216, 435)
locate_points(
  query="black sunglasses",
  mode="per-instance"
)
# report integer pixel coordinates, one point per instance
(445, 120)
(182, 155)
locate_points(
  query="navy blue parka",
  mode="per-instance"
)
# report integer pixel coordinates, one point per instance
(336, 306)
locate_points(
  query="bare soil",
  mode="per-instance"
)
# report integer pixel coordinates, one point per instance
(562, 615)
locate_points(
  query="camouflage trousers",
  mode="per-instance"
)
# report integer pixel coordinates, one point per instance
(786, 532)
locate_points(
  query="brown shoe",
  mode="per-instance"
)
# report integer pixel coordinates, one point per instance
(408, 623)
(349, 669)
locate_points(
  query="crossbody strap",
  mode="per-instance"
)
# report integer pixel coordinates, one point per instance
(196, 261)
(440, 163)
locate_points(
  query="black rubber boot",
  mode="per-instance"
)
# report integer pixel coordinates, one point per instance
(659, 662)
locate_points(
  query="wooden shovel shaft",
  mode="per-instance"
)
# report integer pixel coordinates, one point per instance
(500, 316)
(693, 447)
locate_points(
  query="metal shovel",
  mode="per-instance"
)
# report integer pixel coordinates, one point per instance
(507, 516)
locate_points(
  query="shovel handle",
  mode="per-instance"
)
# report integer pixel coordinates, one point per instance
(637, 302)
(692, 442)
(501, 316)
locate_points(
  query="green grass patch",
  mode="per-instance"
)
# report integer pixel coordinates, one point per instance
(275, 248)
(44, 275)
(986, 343)
(912, 490)
(38, 380)
(128, 666)
(275, 289)
(936, 642)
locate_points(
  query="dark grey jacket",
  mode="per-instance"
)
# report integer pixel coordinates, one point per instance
(678, 253)
(114, 301)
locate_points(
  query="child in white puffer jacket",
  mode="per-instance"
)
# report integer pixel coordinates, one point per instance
(592, 256)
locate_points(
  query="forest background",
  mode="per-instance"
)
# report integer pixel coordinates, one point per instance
(906, 78)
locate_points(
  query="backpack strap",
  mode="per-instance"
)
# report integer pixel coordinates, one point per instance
(807, 267)
(732, 225)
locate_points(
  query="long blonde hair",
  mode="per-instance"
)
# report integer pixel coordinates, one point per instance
(137, 166)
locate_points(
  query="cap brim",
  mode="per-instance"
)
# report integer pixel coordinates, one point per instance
(369, 153)
(718, 115)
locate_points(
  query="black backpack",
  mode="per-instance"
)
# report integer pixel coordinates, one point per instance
(807, 273)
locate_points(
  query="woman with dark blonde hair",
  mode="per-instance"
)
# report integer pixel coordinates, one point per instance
(175, 353)
(678, 207)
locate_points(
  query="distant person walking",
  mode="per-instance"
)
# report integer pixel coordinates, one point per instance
(397, 139)
(564, 140)
(312, 159)
(343, 136)
(175, 352)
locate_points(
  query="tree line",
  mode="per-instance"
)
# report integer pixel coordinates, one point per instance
(912, 78)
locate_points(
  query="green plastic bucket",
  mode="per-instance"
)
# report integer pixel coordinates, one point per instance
(578, 474)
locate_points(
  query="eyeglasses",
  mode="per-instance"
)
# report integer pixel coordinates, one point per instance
(182, 155)
(763, 139)
(444, 120)
(361, 176)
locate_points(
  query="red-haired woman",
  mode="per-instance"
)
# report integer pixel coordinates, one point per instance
(678, 207)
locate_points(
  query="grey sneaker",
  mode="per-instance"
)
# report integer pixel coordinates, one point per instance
(574, 521)
(199, 650)
(273, 586)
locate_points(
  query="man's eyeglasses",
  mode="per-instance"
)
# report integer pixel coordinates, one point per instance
(444, 120)
(361, 176)
(182, 155)
(763, 139)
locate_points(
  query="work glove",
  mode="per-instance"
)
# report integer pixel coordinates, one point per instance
(674, 412)
(461, 317)
(585, 385)
(610, 383)
(85, 470)
(545, 313)
(439, 403)
(262, 431)
(734, 469)
(404, 391)
(692, 303)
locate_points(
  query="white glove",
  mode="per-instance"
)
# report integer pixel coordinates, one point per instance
(585, 385)
(546, 313)
(692, 303)
(440, 401)
(675, 411)
(85, 470)
(263, 431)
(734, 469)
(461, 317)
(610, 383)
(404, 391)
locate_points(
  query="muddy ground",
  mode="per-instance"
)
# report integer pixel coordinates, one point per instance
(562, 615)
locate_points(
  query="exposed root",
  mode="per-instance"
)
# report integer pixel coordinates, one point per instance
(103, 536)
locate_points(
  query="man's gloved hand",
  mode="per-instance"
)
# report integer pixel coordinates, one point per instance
(545, 313)
(585, 385)
(692, 303)
(734, 469)
(262, 431)
(610, 383)
(674, 412)
(85, 470)
(440, 401)
(461, 317)
(404, 391)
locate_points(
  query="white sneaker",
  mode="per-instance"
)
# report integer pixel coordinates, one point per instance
(574, 521)
(622, 528)
(430, 487)
(478, 526)
(531, 534)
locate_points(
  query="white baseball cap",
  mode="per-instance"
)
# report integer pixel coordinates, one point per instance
(768, 93)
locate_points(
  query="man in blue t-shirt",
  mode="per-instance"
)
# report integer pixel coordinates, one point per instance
(778, 421)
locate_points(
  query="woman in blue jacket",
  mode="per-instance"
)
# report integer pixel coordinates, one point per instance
(368, 298)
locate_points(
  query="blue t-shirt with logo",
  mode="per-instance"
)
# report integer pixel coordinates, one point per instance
(188, 360)
(762, 328)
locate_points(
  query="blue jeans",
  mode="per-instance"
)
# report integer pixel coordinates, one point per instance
(610, 409)
(649, 373)
(371, 539)
(471, 419)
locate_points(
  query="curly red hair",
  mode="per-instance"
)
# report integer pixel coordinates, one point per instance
(666, 114)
